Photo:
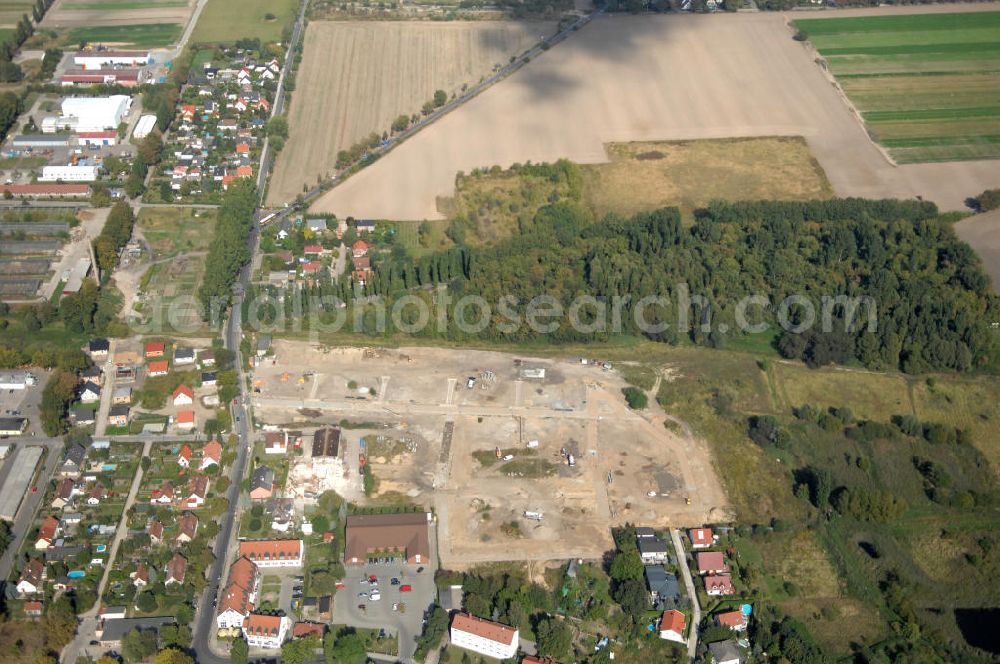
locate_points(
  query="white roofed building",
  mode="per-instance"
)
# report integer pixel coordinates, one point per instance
(100, 59)
(95, 113)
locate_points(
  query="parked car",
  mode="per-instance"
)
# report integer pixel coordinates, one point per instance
(375, 596)
(394, 581)
(405, 588)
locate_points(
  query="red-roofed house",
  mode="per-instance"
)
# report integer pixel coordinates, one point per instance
(312, 250)
(275, 442)
(155, 530)
(188, 111)
(164, 495)
(176, 569)
(531, 659)
(155, 349)
(734, 620)
(359, 248)
(187, 527)
(32, 577)
(311, 266)
(672, 626)
(227, 180)
(185, 419)
(304, 629)
(701, 538)
(717, 585)
(158, 368)
(211, 454)
(239, 595)
(33, 609)
(242, 148)
(711, 562)
(273, 553)
(184, 456)
(484, 636)
(183, 396)
(47, 533)
(244, 171)
(265, 631)
(197, 491)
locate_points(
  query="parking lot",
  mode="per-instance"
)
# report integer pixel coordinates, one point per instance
(406, 619)
(24, 403)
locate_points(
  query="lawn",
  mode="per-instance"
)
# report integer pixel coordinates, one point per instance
(172, 231)
(151, 35)
(927, 85)
(225, 21)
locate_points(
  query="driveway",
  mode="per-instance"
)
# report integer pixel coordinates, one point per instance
(407, 622)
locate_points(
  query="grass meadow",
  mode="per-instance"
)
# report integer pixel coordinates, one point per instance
(928, 85)
(150, 35)
(225, 21)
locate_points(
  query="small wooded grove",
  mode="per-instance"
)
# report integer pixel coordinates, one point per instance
(932, 297)
(229, 250)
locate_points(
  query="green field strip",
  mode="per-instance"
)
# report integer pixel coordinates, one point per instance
(919, 74)
(928, 154)
(128, 5)
(907, 23)
(930, 141)
(920, 49)
(933, 114)
(148, 35)
(887, 39)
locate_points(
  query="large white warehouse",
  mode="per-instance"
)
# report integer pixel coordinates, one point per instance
(144, 127)
(69, 173)
(96, 113)
(100, 59)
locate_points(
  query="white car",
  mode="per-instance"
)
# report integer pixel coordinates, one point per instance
(375, 596)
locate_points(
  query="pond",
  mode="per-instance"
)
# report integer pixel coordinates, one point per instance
(979, 627)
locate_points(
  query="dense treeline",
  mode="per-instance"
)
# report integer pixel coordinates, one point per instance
(115, 235)
(931, 296)
(10, 108)
(58, 394)
(229, 251)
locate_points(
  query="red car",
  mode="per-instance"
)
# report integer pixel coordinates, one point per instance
(373, 579)
(405, 588)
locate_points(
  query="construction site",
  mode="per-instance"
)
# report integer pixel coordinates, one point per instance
(519, 458)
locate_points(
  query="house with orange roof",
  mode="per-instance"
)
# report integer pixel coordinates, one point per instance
(672, 626)
(227, 180)
(265, 631)
(185, 419)
(47, 533)
(187, 527)
(140, 577)
(312, 250)
(701, 538)
(176, 569)
(197, 491)
(303, 629)
(485, 637)
(244, 171)
(711, 562)
(183, 396)
(273, 553)
(719, 584)
(239, 595)
(360, 248)
(155, 349)
(184, 456)
(155, 530)
(158, 368)
(734, 620)
(242, 148)
(211, 454)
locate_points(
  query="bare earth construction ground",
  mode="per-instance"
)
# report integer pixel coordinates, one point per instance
(634, 79)
(421, 395)
(357, 77)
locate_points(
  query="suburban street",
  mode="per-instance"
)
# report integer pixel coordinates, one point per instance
(692, 643)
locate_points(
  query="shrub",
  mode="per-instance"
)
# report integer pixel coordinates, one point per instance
(635, 398)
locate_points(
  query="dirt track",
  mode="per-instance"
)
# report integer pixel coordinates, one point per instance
(357, 77)
(650, 78)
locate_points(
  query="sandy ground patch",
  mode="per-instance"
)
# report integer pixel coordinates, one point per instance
(446, 435)
(982, 231)
(357, 77)
(650, 78)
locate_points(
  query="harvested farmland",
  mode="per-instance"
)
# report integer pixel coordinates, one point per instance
(927, 85)
(357, 77)
(621, 80)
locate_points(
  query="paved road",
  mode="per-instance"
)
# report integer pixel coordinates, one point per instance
(88, 620)
(689, 585)
(26, 513)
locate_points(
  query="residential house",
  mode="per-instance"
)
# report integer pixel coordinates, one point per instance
(187, 527)
(239, 595)
(262, 483)
(485, 637)
(33, 609)
(185, 419)
(71, 518)
(718, 585)
(316, 225)
(275, 442)
(99, 348)
(672, 626)
(90, 392)
(273, 553)
(63, 494)
(122, 395)
(664, 590)
(158, 368)
(263, 631)
(82, 416)
(701, 538)
(176, 569)
(118, 416)
(312, 250)
(155, 349)
(197, 491)
(72, 465)
(185, 355)
(364, 226)
(653, 550)
(301, 630)
(208, 379)
(32, 577)
(163, 495)
(111, 613)
(211, 454)
(93, 374)
(47, 533)
(734, 620)
(360, 248)
(184, 456)
(711, 562)
(155, 530)
(110, 633)
(183, 396)
(96, 495)
(140, 577)
(725, 652)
